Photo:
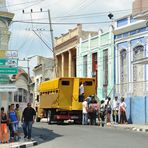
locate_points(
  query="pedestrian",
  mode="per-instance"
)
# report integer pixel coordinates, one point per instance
(85, 112)
(14, 123)
(18, 113)
(4, 130)
(81, 92)
(115, 112)
(108, 110)
(11, 135)
(93, 110)
(102, 113)
(28, 118)
(123, 118)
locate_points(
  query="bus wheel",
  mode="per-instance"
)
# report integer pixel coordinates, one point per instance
(38, 119)
(49, 117)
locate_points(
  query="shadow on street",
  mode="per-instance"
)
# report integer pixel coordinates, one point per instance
(42, 135)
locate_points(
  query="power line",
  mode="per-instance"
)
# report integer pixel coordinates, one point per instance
(12, 5)
(61, 23)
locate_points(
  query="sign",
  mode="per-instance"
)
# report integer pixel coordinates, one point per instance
(8, 62)
(7, 71)
(8, 54)
(8, 88)
(4, 79)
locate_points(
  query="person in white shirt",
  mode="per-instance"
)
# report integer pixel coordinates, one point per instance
(115, 106)
(123, 118)
(85, 112)
(81, 92)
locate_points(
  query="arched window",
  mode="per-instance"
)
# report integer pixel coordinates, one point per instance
(123, 71)
(123, 65)
(138, 70)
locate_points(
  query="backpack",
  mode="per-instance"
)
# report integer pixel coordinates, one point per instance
(102, 110)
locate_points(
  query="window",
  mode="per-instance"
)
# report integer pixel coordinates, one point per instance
(65, 82)
(85, 66)
(15, 97)
(122, 22)
(88, 83)
(94, 64)
(105, 67)
(20, 95)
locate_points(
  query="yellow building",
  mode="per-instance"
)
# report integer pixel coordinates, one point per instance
(65, 50)
(140, 8)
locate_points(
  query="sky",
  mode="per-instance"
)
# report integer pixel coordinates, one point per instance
(29, 44)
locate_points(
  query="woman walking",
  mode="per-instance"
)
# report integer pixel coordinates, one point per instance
(123, 118)
(4, 130)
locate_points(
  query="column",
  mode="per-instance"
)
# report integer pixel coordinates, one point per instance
(62, 64)
(70, 63)
(129, 68)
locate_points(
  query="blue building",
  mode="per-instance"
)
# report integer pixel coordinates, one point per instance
(131, 70)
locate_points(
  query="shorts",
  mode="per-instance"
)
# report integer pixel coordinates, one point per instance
(15, 127)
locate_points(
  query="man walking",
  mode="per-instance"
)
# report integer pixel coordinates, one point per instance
(115, 110)
(84, 112)
(28, 118)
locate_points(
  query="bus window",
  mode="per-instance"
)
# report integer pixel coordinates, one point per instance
(88, 83)
(65, 82)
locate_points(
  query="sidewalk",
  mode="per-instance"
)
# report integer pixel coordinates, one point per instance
(134, 127)
(21, 144)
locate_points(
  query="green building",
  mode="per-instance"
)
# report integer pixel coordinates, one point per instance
(95, 58)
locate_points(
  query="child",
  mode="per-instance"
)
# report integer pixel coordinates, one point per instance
(4, 130)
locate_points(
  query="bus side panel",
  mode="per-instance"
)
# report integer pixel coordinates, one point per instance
(76, 105)
(49, 100)
(65, 97)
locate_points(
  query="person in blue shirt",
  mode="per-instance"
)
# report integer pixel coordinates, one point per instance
(14, 122)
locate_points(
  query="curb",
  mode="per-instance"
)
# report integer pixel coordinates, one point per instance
(25, 145)
(134, 129)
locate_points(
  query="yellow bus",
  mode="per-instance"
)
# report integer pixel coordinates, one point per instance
(59, 98)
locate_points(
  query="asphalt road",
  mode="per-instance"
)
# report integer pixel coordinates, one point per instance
(77, 136)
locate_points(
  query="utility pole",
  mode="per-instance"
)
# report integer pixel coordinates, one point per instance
(28, 79)
(52, 41)
(52, 37)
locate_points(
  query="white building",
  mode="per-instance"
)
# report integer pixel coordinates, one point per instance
(42, 72)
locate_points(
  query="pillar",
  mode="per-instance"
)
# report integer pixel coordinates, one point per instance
(62, 64)
(70, 63)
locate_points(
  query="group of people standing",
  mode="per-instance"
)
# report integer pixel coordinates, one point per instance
(103, 111)
(11, 120)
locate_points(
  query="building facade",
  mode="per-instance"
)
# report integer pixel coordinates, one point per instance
(140, 7)
(42, 72)
(131, 77)
(95, 58)
(22, 95)
(65, 51)
(5, 20)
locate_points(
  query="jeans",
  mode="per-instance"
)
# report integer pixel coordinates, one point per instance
(115, 116)
(27, 128)
(85, 119)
